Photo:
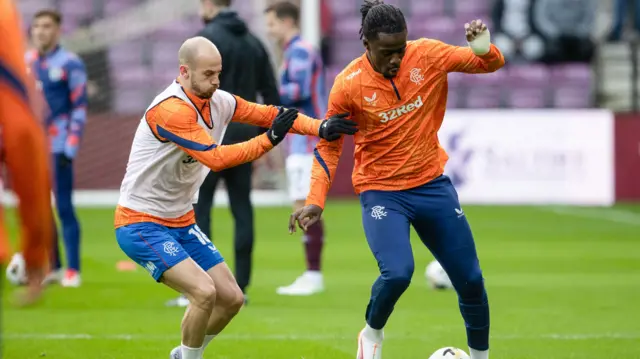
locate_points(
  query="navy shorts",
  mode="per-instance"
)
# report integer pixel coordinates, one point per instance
(157, 248)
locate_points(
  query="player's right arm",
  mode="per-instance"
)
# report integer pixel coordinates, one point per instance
(325, 163)
(25, 148)
(173, 120)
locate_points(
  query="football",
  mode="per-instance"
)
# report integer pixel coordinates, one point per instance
(16, 270)
(437, 278)
(449, 353)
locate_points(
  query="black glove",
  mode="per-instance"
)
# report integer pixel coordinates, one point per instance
(63, 160)
(281, 125)
(336, 126)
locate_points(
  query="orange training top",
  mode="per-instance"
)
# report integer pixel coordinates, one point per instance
(23, 144)
(397, 145)
(179, 118)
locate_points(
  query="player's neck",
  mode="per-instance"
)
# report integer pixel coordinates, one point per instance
(44, 51)
(290, 36)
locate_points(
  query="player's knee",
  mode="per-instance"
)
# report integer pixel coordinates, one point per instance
(400, 277)
(235, 303)
(472, 287)
(203, 295)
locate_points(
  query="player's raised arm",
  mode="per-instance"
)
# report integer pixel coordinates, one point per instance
(262, 115)
(174, 120)
(327, 154)
(78, 97)
(480, 57)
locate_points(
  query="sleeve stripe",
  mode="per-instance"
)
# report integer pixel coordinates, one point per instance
(322, 162)
(7, 76)
(191, 145)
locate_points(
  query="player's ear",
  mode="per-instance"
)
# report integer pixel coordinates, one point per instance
(366, 44)
(184, 71)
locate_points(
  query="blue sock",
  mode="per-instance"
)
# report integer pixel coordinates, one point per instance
(474, 307)
(384, 295)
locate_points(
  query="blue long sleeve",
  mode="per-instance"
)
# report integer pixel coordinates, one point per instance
(77, 81)
(297, 86)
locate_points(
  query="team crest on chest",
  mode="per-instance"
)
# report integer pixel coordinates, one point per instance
(55, 74)
(415, 75)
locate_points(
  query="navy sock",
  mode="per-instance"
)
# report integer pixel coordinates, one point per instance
(71, 232)
(475, 312)
(384, 296)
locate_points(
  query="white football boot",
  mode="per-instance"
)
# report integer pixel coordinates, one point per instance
(71, 279)
(54, 277)
(307, 284)
(176, 353)
(368, 349)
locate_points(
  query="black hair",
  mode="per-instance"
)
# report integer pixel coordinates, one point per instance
(379, 17)
(285, 10)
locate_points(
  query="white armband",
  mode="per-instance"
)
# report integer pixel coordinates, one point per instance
(481, 44)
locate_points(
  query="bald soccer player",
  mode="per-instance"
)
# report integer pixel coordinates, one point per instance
(174, 147)
(397, 93)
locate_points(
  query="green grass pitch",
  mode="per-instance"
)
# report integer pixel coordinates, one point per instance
(563, 282)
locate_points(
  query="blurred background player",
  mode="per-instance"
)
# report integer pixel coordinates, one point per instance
(24, 153)
(302, 86)
(63, 79)
(400, 164)
(247, 73)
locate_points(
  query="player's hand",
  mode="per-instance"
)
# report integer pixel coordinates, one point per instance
(281, 125)
(336, 126)
(305, 216)
(33, 291)
(474, 29)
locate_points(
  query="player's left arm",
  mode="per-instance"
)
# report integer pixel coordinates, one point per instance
(77, 82)
(263, 115)
(298, 86)
(481, 56)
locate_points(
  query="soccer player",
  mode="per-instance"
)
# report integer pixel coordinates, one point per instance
(301, 85)
(174, 147)
(397, 92)
(23, 147)
(63, 79)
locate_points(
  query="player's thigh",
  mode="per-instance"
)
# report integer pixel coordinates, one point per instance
(198, 246)
(228, 293)
(188, 278)
(386, 226)
(152, 246)
(442, 226)
(298, 168)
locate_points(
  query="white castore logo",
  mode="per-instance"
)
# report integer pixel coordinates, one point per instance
(371, 101)
(459, 212)
(404, 109)
(415, 75)
(378, 212)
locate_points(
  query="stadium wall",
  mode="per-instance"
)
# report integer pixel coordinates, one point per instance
(570, 157)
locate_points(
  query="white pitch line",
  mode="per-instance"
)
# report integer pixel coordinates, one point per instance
(293, 337)
(603, 214)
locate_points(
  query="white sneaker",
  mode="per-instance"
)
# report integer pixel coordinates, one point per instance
(176, 353)
(54, 277)
(307, 284)
(368, 349)
(71, 279)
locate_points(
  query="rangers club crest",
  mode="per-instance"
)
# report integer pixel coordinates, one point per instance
(415, 75)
